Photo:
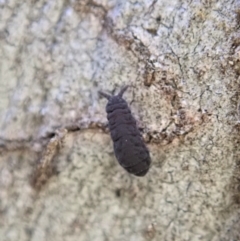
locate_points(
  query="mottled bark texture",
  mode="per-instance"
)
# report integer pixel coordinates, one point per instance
(59, 179)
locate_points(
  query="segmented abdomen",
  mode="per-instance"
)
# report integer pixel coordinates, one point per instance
(129, 148)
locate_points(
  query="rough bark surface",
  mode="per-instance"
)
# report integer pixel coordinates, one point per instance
(59, 179)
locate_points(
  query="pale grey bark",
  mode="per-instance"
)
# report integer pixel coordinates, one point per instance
(181, 59)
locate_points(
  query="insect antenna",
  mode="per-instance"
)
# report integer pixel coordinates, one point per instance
(120, 94)
(107, 96)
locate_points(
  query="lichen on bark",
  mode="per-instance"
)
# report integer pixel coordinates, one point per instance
(181, 59)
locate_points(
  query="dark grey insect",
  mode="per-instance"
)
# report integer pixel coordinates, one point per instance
(130, 150)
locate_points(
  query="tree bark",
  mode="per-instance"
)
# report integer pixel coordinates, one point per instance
(59, 178)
